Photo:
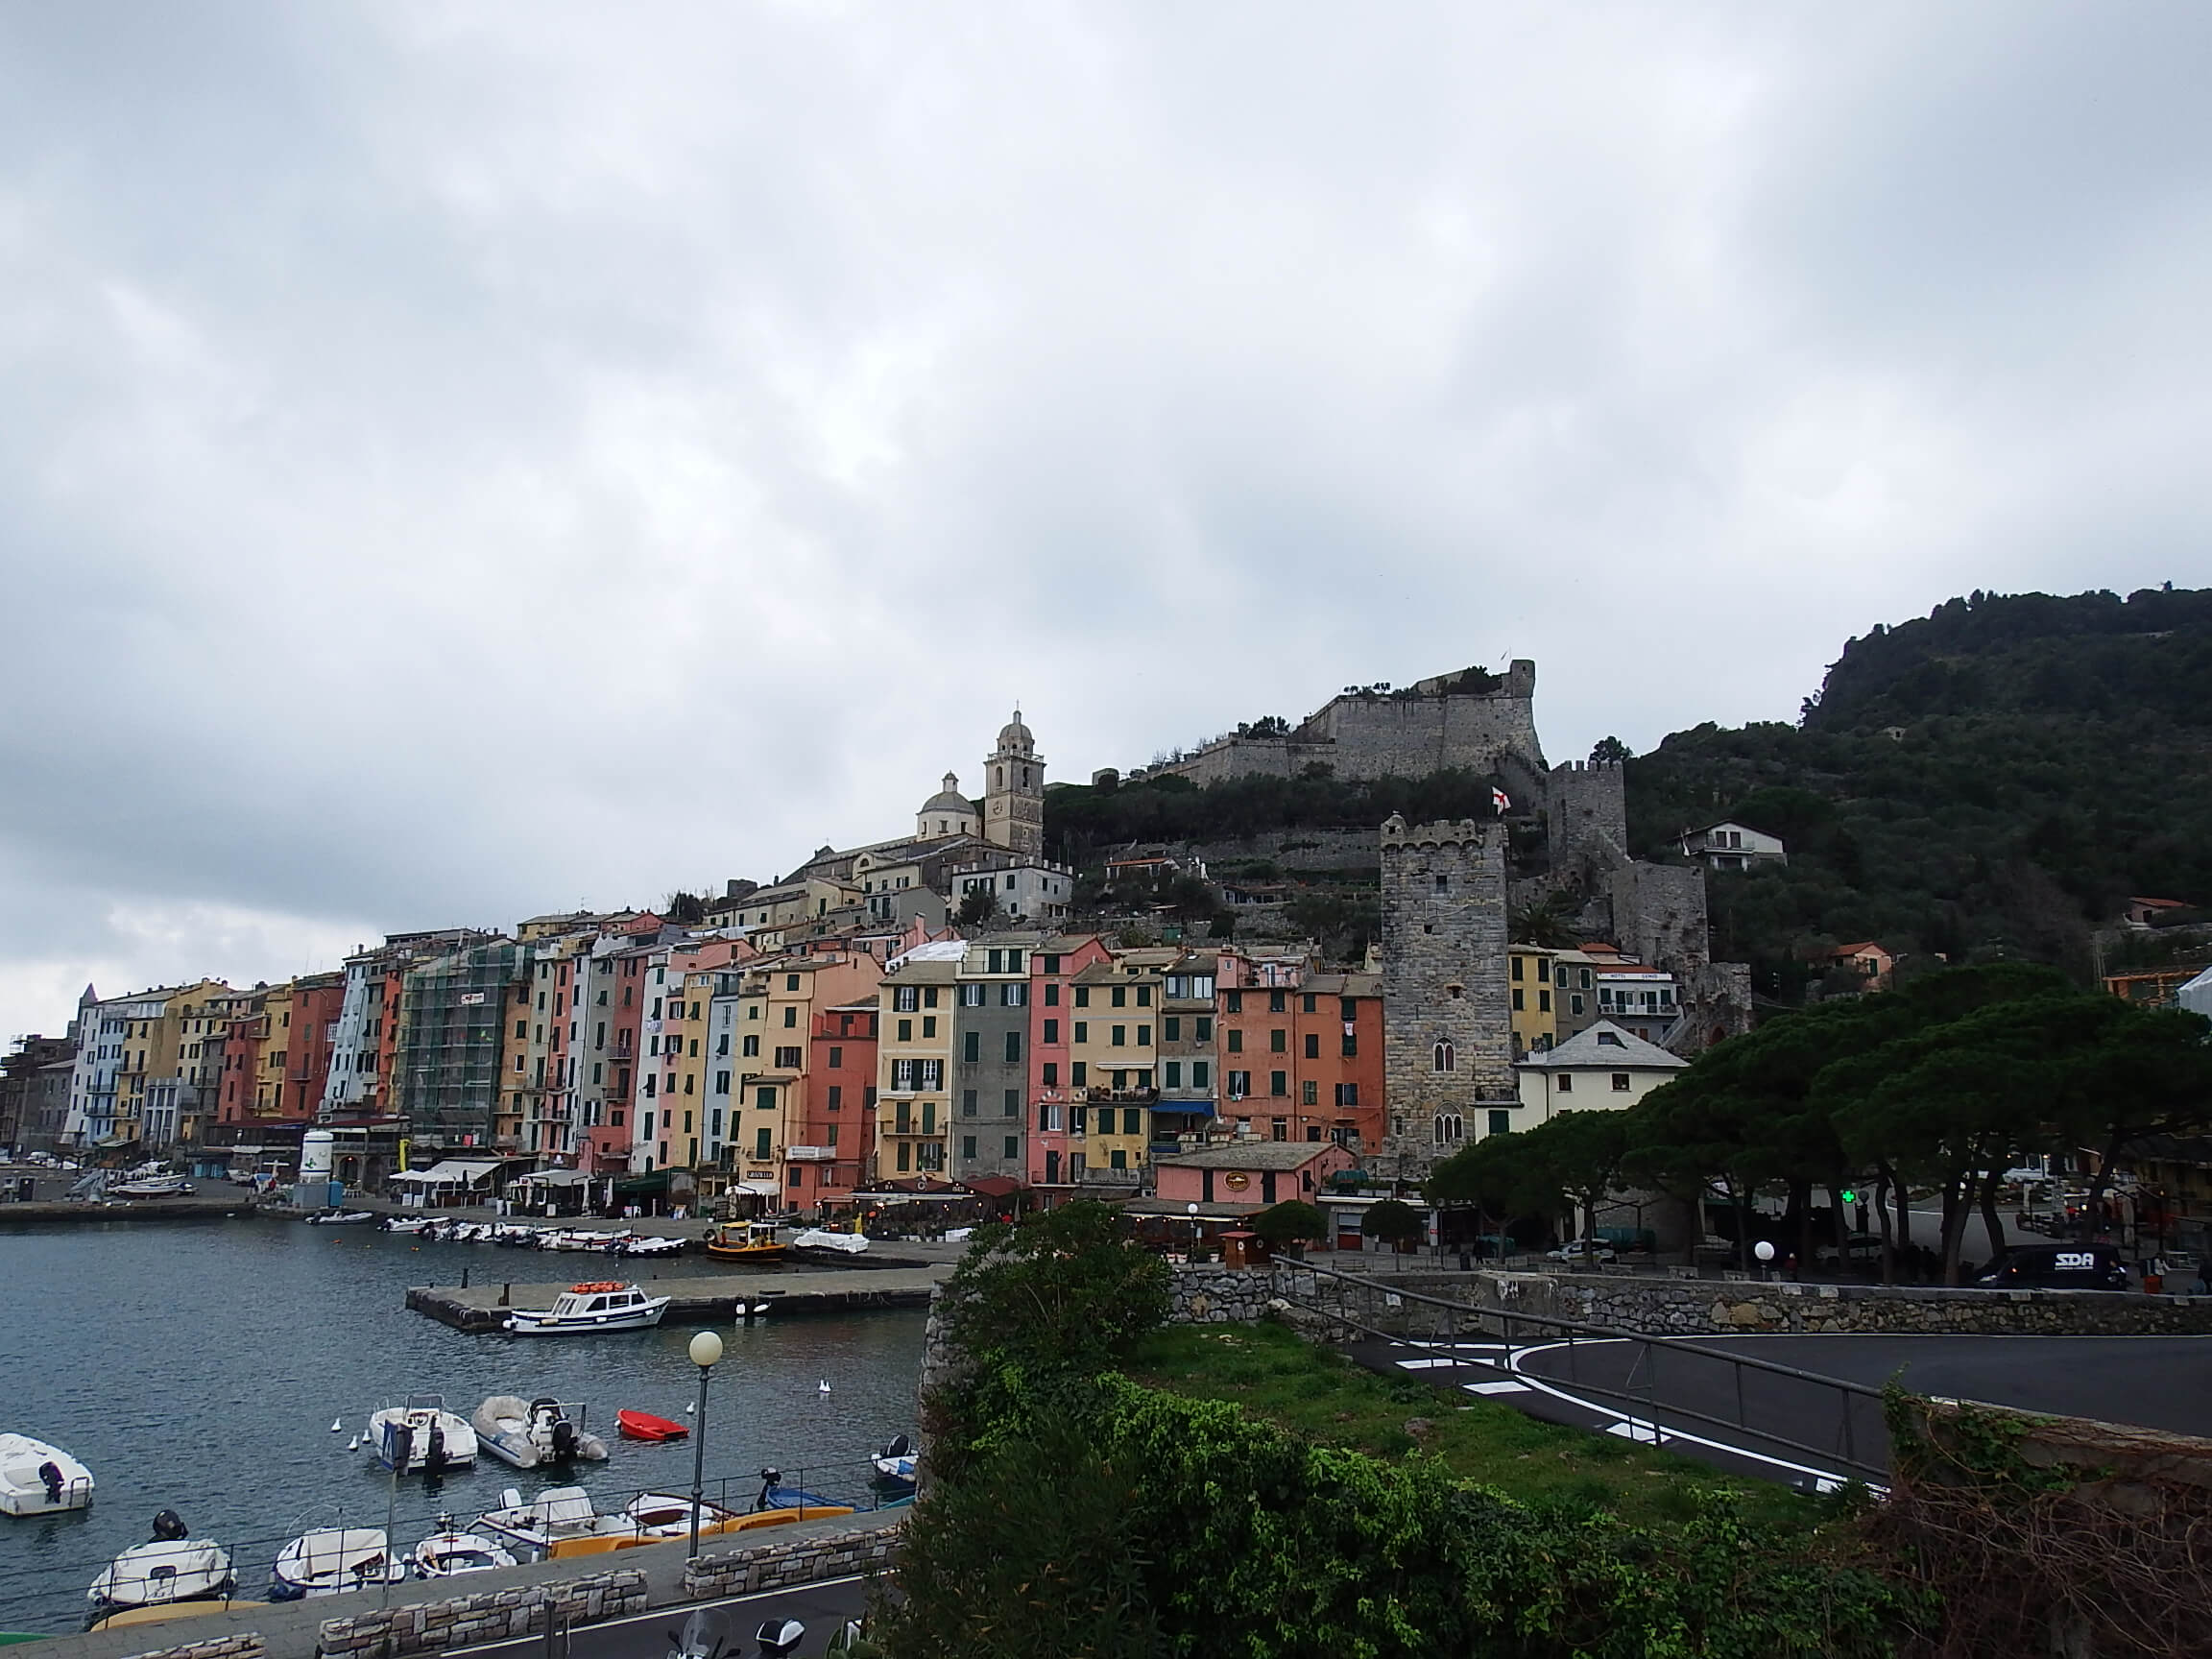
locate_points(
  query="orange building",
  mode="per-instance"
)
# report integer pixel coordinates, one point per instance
(1301, 1053)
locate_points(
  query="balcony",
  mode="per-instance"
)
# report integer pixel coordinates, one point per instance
(810, 1154)
(1114, 1096)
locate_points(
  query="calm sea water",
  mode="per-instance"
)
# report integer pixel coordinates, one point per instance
(197, 1367)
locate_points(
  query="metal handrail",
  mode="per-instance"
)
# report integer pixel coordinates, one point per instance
(1649, 1348)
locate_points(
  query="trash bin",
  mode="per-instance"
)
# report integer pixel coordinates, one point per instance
(2154, 1284)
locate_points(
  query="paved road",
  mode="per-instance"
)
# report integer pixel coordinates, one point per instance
(820, 1607)
(1796, 1428)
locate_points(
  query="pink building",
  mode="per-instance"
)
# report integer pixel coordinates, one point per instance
(1250, 1171)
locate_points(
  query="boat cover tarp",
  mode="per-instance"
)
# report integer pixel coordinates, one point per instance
(450, 1172)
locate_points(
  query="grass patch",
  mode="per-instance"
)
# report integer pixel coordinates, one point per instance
(1321, 1396)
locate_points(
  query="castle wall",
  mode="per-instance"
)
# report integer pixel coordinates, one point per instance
(1365, 736)
(1659, 913)
(1444, 957)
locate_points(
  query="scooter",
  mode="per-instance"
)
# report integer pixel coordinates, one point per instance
(706, 1635)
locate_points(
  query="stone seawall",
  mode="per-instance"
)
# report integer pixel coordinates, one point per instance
(246, 1644)
(800, 1561)
(492, 1616)
(1727, 1307)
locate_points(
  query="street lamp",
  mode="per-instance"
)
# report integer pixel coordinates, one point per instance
(1192, 1210)
(1762, 1250)
(706, 1353)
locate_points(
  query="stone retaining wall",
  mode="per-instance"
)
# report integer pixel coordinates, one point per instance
(798, 1561)
(245, 1645)
(1724, 1306)
(494, 1616)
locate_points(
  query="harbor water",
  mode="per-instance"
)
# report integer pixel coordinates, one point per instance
(199, 1366)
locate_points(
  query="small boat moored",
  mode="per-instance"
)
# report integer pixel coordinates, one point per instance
(333, 1560)
(36, 1478)
(744, 1241)
(818, 1239)
(536, 1433)
(644, 1426)
(896, 1464)
(174, 1567)
(421, 1434)
(448, 1552)
(602, 1305)
(341, 1218)
(774, 1495)
(152, 1186)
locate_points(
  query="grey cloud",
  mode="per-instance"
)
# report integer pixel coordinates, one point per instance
(457, 461)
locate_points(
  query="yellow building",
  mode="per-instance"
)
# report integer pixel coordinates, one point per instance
(766, 1088)
(1113, 1052)
(914, 1060)
(1529, 997)
(153, 1044)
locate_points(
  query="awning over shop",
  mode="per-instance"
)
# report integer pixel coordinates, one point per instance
(652, 1185)
(552, 1178)
(758, 1189)
(450, 1172)
(994, 1186)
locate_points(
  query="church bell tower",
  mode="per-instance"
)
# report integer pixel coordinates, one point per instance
(1014, 792)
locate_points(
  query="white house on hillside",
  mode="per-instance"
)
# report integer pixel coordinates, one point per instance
(1602, 1069)
(1732, 846)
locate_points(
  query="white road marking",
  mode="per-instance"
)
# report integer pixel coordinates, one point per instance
(1495, 1387)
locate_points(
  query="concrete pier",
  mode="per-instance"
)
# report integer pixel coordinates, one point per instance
(709, 1296)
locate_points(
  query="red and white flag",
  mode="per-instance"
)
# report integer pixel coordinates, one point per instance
(1501, 799)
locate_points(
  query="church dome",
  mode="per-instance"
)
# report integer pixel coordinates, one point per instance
(949, 798)
(1014, 735)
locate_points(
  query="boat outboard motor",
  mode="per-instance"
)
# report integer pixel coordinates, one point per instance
(169, 1526)
(49, 1474)
(564, 1438)
(779, 1638)
(770, 1480)
(899, 1447)
(434, 1459)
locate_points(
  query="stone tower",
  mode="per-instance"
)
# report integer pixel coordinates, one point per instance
(1014, 792)
(1448, 1043)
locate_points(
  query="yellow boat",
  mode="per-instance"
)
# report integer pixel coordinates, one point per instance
(744, 1241)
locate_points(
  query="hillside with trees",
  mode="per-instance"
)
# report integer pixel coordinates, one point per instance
(1991, 780)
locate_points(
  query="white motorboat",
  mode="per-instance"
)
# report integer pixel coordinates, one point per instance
(406, 1223)
(897, 1463)
(539, 1431)
(421, 1434)
(331, 1560)
(36, 1478)
(637, 1244)
(605, 1305)
(819, 1238)
(661, 1515)
(558, 1515)
(172, 1567)
(580, 1239)
(450, 1551)
(341, 1218)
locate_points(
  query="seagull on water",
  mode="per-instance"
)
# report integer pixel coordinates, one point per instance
(354, 1444)
(823, 1386)
(336, 1424)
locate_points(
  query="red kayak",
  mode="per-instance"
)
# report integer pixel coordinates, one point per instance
(644, 1426)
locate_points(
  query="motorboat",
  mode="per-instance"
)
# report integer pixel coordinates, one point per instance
(774, 1495)
(745, 1241)
(642, 1245)
(152, 1186)
(602, 1305)
(341, 1218)
(659, 1515)
(896, 1464)
(174, 1567)
(331, 1560)
(448, 1552)
(36, 1478)
(822, 1238)
(558, 1516)
(409, 1223)
(644, 1426)
(580, 1239)
(534, 1432)
(421, 1434)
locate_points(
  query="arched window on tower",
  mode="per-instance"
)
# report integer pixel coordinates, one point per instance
(1442, 1057)
(1024, 776)
(1001, 778)
(1450, 1129)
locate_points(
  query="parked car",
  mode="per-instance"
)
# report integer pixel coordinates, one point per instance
(1581, 1250)
(2055, 1267)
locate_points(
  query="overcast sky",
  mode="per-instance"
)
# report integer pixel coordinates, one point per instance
(463, 461)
